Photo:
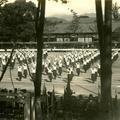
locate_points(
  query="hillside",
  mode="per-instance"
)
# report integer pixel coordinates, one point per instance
(61, 25)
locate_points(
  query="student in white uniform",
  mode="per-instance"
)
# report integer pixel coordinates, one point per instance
(54, 71)
(12, 64)
(50, 75)
(93, 74)
(21, 59)
(70, 74)
(25, 73)
(60, 68)
(46, 68)
(67, 63)
(19, 72)
(3, 64)
(78, 68)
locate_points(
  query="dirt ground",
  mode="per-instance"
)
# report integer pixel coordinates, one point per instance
(80, 84)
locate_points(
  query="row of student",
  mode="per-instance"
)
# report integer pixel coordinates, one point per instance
(54, 68)
(76, 59)
(96, 71)
(21, 57)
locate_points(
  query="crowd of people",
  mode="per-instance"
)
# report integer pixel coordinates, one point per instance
(20, 59)
(72, 63)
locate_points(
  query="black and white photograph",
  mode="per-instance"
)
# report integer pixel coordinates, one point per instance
(59, 60)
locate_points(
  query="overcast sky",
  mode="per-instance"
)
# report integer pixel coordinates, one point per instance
(79, 6)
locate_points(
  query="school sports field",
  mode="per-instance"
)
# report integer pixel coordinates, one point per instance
(80, 84)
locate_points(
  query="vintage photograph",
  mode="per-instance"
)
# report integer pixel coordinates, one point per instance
(59, 60)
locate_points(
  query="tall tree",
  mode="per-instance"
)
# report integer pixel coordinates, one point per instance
(105, 39)
(40, 17)
(39, 26)
(17, 21)
(75, 22)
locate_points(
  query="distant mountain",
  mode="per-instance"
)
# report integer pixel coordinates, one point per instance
(56, 25)
(85, 24)
(69, 17)
(92, 15)
(64, 16)
(61, 25)
(55, 19)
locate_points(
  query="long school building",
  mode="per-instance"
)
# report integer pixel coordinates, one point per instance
(64, 40)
